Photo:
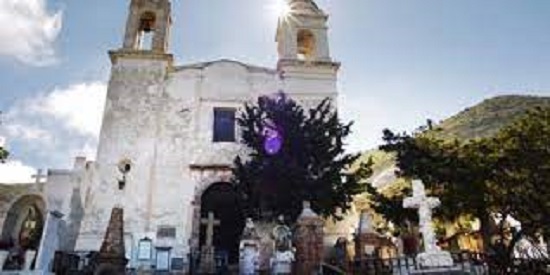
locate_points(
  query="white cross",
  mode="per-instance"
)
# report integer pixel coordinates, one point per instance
(39, 176)
(210, 222)
(424, 204)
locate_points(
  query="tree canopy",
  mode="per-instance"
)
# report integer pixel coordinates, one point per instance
(506, 175)
(309, 163)
(4, 154)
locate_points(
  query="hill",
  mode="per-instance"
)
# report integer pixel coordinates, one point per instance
(488, 117)
(481, 120)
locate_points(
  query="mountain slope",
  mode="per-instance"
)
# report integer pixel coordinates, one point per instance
(488, 117)
(482, 120)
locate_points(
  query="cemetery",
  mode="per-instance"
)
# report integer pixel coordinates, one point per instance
(224, 167)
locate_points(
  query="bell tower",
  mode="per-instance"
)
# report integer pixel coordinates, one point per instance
(302, 34)
(305, 65)
(130, 130)
(148, 25)
(147, 32)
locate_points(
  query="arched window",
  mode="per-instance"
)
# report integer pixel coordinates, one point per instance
(306, 45)
(146, 31)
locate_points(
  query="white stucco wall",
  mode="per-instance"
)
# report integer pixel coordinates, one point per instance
(162, 120)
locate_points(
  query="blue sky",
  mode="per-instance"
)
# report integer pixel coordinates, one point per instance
(403, 61)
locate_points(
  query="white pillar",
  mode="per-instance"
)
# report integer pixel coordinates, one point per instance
(49, 242)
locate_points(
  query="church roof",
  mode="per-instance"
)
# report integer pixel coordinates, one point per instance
(249, 67)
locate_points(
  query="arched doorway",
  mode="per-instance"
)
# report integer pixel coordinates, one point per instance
(22, 229)
(224, 202)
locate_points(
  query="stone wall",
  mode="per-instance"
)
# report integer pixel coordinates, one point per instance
(161, 120)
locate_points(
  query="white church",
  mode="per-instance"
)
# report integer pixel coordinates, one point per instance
(169, 136)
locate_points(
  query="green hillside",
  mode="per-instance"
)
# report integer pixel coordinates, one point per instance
(481, 120)
(486, 118)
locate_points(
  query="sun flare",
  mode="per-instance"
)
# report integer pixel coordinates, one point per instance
(280, 7)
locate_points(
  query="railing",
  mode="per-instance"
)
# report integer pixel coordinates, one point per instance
(465, 263)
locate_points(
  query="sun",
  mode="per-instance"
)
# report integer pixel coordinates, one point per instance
(280, 7)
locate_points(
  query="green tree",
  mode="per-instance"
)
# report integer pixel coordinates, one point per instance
(522, 173)
(390, 205)
(4, 154)
(310, 164)
(506, 176)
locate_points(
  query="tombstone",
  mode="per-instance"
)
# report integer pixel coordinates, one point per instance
(208, 263)
(49, 243)
(433, 256)
(3, 257)
(163, 259)
(267, 244)
(282, 262)
(145, 251)
(367, 240)
(249, 250)
(112, 256)
(309, 241)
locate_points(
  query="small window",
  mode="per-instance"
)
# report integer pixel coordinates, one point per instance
(224, 125)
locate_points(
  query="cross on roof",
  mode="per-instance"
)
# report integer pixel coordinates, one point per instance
(210, 222)
(39, 176)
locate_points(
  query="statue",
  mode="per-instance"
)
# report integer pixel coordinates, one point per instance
(282, 236)
(281, 263)
(29, 234)
(249, 231)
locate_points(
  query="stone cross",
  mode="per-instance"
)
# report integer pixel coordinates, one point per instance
(210, 222)
(424, 204)
(39, 176)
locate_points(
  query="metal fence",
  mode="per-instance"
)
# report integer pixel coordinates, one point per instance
(465, 263)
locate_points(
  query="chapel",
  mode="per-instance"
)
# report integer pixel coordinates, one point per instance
(168, 140)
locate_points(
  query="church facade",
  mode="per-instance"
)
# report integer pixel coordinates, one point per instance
(169, 133)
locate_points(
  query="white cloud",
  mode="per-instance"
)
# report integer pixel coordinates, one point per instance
(28, 132)
(78, 107)
(13, 172)
(49, 130)
(28, 31)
